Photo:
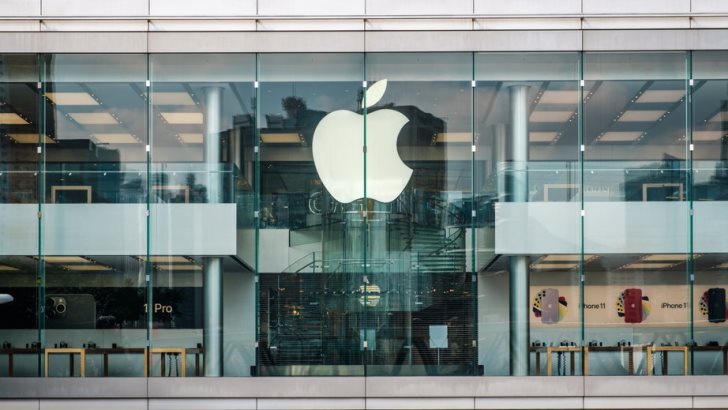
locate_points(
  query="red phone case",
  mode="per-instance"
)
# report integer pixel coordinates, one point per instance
(633, 305)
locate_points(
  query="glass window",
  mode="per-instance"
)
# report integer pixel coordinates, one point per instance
(201, 200)
(93, 212)
(636, 210)
(710, 159)
(527, 197)
(311, 248)
(419, 200)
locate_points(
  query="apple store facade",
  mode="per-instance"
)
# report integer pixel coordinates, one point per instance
(459, 216)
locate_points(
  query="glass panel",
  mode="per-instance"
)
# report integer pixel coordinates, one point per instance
(312, 318)
(637, 213)
(94, 223)
(527, 197)
(19, 136)
(710, 170)
(201, 200)
(419, 165)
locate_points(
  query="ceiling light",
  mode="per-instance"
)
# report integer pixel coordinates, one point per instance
(6, 268)
(661, 96)
(93, 118)
(559, 97)
(673, 257)
(164, 259)
(66, 259)
(11, 118)
(172, 98)
(116, 138)
(189, 138)
(94, 267)
(708, 135)
(450, 137)
(542, 136)
(641, 115)
(78, 98)
(566, 258)
(280, 138)
(179, 267)
(30, 138)
(620, 136)
(182, 117)
(554, 266)
(720, 117)
(723, 265)
(647, 265)
(551, 116)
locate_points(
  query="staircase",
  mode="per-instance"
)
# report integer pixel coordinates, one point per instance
(434, 251)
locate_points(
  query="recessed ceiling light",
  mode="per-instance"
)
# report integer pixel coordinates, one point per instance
(191, 138)
(620, 136)
(661, 96)
(554, 266)
(182, 117)
(708, 135)
(164, 258)
(6, 268)
(671, 257)
(120, 138)
(559, 97)
(536, 136)
(566, 258)
(551, 116)
(30, 138)
(179, 267)
(94, 267)
(449, 137)
(93, 118)
(641, 115)
(66, 259)
(280, 138)
(722, 116)
(647, 265)
(76, 98)
(172, 98)
(11, 118)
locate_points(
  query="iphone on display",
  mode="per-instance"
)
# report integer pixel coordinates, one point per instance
(633, 305)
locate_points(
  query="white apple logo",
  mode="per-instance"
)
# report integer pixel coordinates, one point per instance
(339, 158)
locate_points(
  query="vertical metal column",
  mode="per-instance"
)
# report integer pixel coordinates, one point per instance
(518, 187)
(212, 265)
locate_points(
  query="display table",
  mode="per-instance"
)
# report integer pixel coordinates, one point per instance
(666, 350)
(118, 350)
(179, 351)
(630, 350)
(70, 351)
(11, 352)
(722, 349)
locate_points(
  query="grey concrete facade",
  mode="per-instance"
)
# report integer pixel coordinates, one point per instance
(367, 393)
(226, 26)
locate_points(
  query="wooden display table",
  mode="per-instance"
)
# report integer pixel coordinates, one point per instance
(622, 349)
(70, 351)
(11, 352)
(666, 349)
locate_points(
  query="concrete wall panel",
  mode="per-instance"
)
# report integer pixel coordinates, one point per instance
(20, 8)
(256, 42)
(632, 6)
(310, 7)
(527, 7)
(202, 8)
(95, 8)
(419, 8)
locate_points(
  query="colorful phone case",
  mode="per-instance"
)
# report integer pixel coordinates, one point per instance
(633, 305)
